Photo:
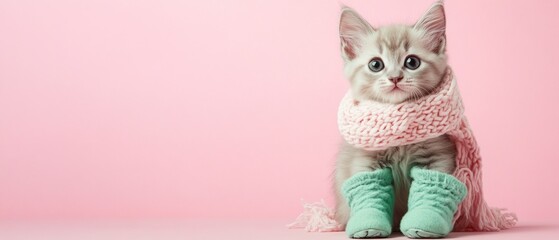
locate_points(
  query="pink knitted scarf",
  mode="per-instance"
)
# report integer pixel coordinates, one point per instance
(376, 126)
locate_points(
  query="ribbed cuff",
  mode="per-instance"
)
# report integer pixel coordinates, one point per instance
(442, 180)
(382, 176)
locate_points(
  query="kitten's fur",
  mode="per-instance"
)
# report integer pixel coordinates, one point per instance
(360, 43)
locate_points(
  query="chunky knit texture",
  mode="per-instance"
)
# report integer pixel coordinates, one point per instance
(375, 126)
(371, 198)
(434, 198)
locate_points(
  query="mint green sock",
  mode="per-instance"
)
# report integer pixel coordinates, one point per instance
(434, 198)
(371, 198)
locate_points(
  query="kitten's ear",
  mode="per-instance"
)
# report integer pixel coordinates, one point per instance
(434, 24)
(353, 30)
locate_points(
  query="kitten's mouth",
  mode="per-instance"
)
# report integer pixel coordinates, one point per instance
(395, 88)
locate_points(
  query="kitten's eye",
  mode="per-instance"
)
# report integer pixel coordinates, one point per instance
(376, 65)
(412, 62)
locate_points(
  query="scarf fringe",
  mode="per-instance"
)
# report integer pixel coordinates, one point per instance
(474, 214)
(316, 217)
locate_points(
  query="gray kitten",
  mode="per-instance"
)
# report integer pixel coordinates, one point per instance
(393, 64)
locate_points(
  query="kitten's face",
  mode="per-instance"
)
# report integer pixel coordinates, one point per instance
(394, 63)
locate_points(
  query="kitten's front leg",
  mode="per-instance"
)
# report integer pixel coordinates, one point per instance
(365, 193)
(433, 198)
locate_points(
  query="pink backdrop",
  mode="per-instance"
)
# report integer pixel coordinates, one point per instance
(207, 109)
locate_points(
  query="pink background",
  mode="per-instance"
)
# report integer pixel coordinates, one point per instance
(227, 109)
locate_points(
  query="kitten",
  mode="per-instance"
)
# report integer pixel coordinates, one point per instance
(393, 64)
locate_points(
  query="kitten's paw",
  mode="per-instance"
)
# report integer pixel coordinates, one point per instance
(425, 223)
(370, 233)
(369, 223)
(418, 233)
(371, 197)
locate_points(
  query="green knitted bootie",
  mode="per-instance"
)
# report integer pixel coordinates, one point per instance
(434, 198)
(371, 198)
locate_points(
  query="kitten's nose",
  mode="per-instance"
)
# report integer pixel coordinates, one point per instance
(395, 79)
